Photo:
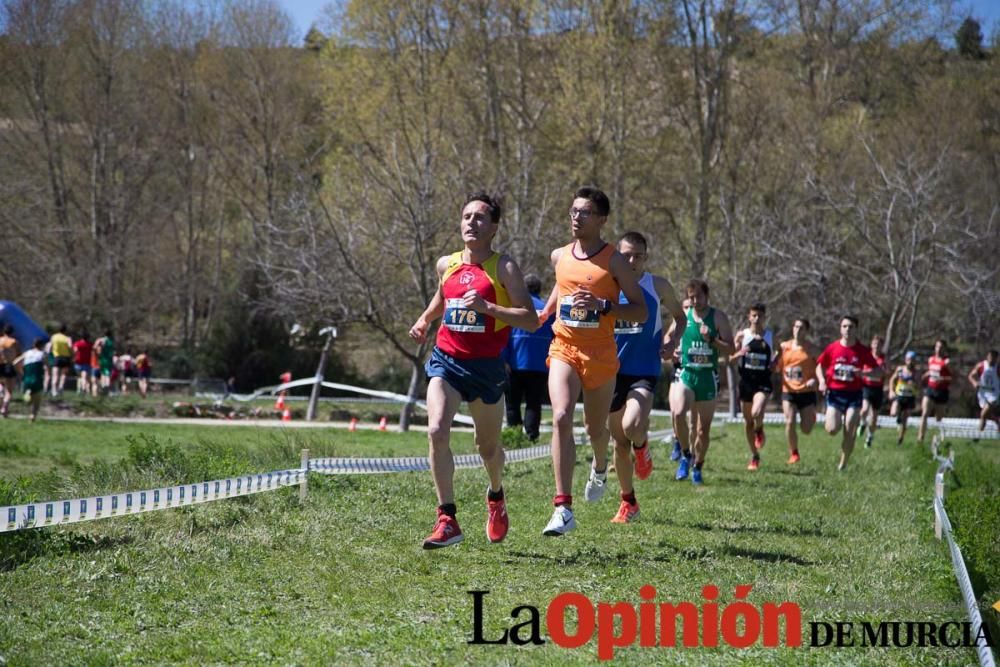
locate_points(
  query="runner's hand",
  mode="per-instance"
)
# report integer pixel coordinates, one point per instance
(584, 298)
(418, 331)
(811, 383)
(473, 301)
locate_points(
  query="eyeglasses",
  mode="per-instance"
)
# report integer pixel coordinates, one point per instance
(581, 213)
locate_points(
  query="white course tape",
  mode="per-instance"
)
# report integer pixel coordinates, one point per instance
(943, 529)
(55, 512)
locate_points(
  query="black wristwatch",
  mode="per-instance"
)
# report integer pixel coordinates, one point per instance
(607, 307)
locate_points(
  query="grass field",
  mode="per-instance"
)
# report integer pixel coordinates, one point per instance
(342, 579)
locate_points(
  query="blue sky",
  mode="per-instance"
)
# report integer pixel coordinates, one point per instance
(306, 12)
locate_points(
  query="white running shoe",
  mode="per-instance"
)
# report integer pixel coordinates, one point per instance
(562, 522)
(595, 486)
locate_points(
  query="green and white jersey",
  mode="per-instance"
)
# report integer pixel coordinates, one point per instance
(697, 354)
(34, 369)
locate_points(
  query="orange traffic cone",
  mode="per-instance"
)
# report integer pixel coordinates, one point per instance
(280, 403)
(381, 423)
(286, 416)
(353, 426)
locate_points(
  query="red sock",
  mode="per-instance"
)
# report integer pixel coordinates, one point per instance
(564, 499)
(629, 498)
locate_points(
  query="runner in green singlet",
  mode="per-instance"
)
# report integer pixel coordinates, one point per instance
(706, 335)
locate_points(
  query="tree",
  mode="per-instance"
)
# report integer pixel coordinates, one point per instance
(969, 39)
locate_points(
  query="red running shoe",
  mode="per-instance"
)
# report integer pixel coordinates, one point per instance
(446, 532)
(793, 459)
(627, 512)
(754, 464)
(643, 461)
(759, 439)
(497, 522)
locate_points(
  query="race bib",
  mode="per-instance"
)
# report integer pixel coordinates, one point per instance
(794, 374)
(755, 361)
(935, 374)
(844, 372)
(700, 356)
(459, 318)
(627, 328)
(574, 316)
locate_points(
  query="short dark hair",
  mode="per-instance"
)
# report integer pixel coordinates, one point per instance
(696, 284)
(8, 330)
(805, 322)
(994, 353)
(39, 344)
(851, 318)
(634, 238)
(602, 205)
(533, 283)
(492, 202)
(759, 307)
(62, 328)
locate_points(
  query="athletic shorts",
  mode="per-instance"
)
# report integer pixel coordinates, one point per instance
(64, 362)
(939, 396)
(7, 371)
(95, 371)
(748, 389)
(596, 365)
(145, 373)
(626, 383)
(874, 395)
(473, 379)
(842, 401)
(906, 402)
(82, 369)
(801, 400)
(985, 399)
(34, 387)
(704, 384)
(106, 369)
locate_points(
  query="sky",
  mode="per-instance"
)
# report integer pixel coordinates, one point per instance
(306, 12)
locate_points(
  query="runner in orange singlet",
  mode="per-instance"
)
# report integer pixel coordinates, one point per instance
(590, 274)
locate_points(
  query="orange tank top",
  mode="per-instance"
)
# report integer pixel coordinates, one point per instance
(796, 367)
(577, 326)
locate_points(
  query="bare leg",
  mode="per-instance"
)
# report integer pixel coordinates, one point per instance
(564, 388)
(442, 404)
(488, 418)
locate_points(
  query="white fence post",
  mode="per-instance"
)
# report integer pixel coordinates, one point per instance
(304, 484)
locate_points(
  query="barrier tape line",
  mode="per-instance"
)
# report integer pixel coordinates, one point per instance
(362, 466)
(957, 561)
(76, 510)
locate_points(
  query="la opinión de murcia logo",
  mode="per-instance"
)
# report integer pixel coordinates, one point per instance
(738, 624)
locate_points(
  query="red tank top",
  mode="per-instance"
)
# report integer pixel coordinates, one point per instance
(865, 368)
(575, 325)
(464, 333)
(940, 373)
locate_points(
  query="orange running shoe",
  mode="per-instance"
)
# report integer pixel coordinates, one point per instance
(754, 464)
(497, 522)
(759, 439)
(793, 459)
(643, 461)
(446, 532)
(627, 512)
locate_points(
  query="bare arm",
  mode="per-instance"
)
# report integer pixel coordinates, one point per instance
(635, 310)
(550, 303)
(974, 375)
(724, 341)
(434, 310)
(521, 312)
(668, 299)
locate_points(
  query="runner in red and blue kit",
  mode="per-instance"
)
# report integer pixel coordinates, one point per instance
(839, 371)
(481, 295)
(938, 379)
